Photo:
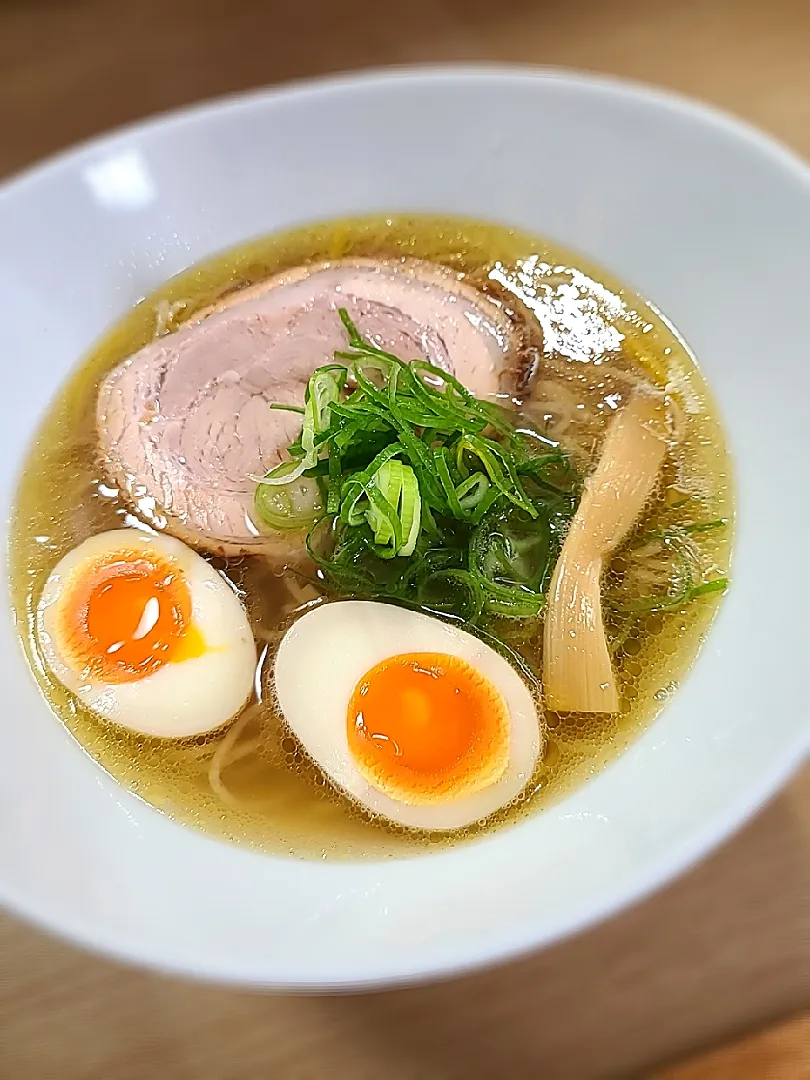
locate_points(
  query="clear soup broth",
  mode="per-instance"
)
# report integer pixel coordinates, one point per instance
(251, 783)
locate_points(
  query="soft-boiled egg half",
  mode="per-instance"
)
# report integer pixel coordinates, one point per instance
(147, 634)
(414, 718)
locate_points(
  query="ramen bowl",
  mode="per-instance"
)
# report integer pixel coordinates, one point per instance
(700, 214)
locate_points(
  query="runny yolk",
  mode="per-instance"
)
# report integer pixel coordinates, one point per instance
(424, 727)
(127, 616)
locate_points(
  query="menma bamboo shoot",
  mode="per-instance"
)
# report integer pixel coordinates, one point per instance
(577, 669)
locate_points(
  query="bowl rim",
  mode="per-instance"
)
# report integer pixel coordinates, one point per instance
(306, 86)
(657, 872)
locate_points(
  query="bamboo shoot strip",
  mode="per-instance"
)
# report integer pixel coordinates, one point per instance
(577, 670)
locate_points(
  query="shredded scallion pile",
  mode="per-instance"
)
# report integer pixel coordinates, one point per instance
(426, 495)
(415, 491)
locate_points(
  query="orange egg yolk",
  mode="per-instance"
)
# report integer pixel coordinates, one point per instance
(124, 617)
(424, 727)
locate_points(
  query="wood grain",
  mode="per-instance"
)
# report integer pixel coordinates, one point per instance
(724, 950)
(781, 1051)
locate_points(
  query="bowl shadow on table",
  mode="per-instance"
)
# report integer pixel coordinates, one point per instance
(720, 950)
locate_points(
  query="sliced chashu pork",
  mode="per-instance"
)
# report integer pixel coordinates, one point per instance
(184, 423)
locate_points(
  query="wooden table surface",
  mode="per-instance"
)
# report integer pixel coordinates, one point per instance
(724, 950)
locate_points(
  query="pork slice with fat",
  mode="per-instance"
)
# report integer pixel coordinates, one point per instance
(185, 422)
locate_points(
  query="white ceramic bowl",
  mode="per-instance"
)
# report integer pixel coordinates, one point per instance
(704, 216)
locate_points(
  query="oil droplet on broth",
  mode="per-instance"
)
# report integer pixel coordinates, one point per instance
(278, 801)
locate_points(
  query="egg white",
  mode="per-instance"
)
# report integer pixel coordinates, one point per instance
(325, 654)
(190, 697)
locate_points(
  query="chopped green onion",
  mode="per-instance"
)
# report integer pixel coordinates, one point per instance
(285, 473)
(718, 584)
(705, 526)
(452, 592)
(292, 506)
(410, 509)
(416, 492)
(472, 492)
(671, 558)
(500, 469)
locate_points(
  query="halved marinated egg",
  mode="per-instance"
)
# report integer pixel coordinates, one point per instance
(414, 718)
(147, 634)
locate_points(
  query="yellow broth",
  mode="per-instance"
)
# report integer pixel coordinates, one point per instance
(590, 332)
